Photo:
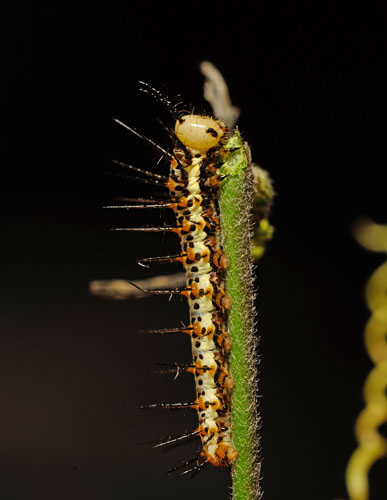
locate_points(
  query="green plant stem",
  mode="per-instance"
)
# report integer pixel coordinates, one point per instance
(235, 205)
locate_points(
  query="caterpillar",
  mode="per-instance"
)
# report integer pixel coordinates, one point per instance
(199, 148)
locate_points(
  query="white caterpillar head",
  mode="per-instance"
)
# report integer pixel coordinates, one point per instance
(199, 132)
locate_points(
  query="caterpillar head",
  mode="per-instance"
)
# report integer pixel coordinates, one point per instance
(199, 132)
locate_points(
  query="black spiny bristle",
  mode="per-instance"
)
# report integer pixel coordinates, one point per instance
(164, 152)
(187, 462)
(168, 406)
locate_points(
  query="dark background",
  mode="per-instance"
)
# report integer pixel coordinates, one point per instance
(310, 82)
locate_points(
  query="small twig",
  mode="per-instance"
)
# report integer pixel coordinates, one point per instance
(216, 93)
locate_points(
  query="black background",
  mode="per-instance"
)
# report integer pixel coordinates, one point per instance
(309, 80)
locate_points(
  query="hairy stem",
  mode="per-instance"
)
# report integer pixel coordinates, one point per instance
(236, 195)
